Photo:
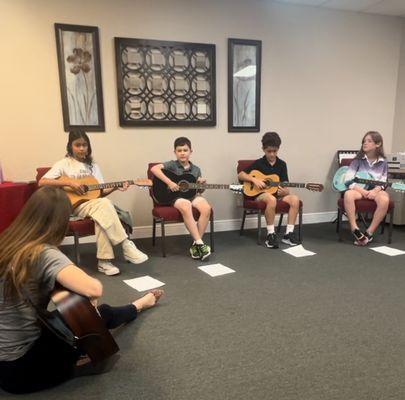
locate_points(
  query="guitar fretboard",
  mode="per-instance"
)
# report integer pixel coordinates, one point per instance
(202, 186)
(108, 185)
(292, 184)
(372, 182)
(285, 184)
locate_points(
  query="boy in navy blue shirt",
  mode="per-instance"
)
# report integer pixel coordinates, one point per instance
(270, 164)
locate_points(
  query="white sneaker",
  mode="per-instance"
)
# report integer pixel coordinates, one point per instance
(132, 253)
(107, 267)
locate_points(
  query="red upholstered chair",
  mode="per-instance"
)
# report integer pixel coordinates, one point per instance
(364, 207)
(168, 214)
(251, 206)
(77, 229)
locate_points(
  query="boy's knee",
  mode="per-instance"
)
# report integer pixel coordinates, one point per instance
(269, 200)
(295, 201)
(183, 205)
(206, 209)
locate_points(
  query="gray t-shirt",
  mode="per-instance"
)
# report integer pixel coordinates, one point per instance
(176, 167)
(18, 320)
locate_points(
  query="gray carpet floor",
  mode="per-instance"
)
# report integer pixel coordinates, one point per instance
(330, 326)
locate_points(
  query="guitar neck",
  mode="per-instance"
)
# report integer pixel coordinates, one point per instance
(108, 185)
(291, 184)
(203, 186)
(372, 182)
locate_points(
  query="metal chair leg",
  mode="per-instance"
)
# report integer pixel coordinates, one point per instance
(390, 226)
(383, 222)
(243, 222)
(279, 223)
(212, 232)
(300, 224)
(76, 246)
(154, 232)
(339, 224)
(363, 220)
(259, 226)
(162, 225)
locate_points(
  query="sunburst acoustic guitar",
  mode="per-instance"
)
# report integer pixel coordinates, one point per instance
(92, 188)
(272, 183)
(79, 316)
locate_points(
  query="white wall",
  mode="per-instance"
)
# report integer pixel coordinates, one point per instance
(327, 78)
(398, 143)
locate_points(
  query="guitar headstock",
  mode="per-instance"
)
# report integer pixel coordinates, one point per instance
(143, 183)
(236, 188)
(314, 187)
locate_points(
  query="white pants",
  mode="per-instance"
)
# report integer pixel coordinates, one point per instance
(108, 228)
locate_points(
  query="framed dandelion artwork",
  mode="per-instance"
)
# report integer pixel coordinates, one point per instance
(80, 77)
(244, 74)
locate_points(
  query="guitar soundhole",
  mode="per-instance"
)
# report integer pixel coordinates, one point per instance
(183, 185)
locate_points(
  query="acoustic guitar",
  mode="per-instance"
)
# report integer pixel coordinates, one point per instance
(188, 187)
(93, 188)
(272, 183)
(362, 179)
(83, 320)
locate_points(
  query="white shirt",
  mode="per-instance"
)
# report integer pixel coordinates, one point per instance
(74, 169)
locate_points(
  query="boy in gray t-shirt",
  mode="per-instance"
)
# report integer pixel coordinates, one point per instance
(182, 150)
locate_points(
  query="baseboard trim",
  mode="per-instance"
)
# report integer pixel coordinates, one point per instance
(220, 226)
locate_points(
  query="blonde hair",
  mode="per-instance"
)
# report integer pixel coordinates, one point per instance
(43, 220)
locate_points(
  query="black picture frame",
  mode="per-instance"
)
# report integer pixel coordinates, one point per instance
(165, 83)
(78, 52)
(244, 61)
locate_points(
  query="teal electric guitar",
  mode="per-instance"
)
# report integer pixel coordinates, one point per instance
(341, 184)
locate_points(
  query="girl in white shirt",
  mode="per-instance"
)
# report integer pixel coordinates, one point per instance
(79, 163)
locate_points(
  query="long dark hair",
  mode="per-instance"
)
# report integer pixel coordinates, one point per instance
(43, 220)
(377, 139)
(79, 135)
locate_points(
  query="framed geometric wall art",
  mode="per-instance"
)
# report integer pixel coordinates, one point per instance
(244, 76)
(78, 52)
(162, 83)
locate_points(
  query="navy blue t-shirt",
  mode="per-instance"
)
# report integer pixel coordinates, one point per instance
(279, 168)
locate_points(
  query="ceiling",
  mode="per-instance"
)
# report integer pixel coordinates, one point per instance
(382, 7)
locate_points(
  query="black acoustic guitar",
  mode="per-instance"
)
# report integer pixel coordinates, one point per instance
(188, 187)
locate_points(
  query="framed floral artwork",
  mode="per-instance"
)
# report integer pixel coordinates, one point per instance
(78, 52)
(244, 73)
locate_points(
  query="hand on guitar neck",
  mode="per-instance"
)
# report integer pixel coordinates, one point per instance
(81, 189)
(260, 183)
(88, 188)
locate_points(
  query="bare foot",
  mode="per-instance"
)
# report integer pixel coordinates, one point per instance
(149, 300)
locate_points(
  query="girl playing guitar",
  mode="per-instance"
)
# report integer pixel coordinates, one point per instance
(79, 163)
(370, 159)
(31, 358)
